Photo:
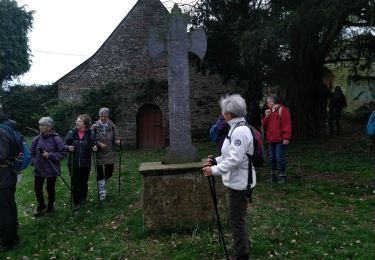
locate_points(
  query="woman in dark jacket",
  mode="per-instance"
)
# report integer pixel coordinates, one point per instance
(80, 142)
(47, 150)
(337, 103)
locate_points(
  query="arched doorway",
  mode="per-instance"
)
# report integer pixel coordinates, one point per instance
(149, 127)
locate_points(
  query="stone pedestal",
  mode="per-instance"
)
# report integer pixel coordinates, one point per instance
(178, 196)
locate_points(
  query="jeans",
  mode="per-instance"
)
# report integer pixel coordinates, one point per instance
(277, 160)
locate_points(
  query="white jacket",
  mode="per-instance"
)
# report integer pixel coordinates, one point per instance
(233, 163)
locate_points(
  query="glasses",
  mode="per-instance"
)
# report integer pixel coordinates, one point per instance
(79, 121)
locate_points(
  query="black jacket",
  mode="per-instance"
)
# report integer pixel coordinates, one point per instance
(83, 148)
(7, 177)
(337, 100)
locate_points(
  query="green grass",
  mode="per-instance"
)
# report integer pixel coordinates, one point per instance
(326, 211)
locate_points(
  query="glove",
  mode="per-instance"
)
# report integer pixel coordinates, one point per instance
(212, 161)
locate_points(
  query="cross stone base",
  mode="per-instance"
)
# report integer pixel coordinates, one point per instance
(180, 156)
(178, 196)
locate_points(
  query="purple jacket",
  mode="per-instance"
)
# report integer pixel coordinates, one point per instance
(52, 144)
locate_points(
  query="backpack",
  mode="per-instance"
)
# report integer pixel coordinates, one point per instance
(371, 125)
(214, 133)
(21, 152)
(257, 158)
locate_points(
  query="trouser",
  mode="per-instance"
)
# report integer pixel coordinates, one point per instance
(38, 186)
(8, 217)
(106, 173)
(334, 118)
(80, 178)
(276, 153)
(238, 201)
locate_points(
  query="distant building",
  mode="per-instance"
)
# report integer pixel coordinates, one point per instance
(358, 88)
(123, 58)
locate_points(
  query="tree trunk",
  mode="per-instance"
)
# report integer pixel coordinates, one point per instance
(307, 102)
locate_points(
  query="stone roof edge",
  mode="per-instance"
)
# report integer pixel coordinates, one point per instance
(103, 44)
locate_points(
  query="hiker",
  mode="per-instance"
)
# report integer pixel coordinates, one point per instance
(222, 132)
(8, 181)
(278, 127)
(337, 102)
(233, 166)
(371, 134)
(80, 142)
(106, 135)
(254, 115)
(47, 150)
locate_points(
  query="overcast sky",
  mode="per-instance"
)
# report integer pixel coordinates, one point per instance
(67, 32)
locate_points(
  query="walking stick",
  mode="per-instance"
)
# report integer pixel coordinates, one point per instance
(58, 172)
(96, 176)
(119, 166)
(53, 166)
(71, 177)
(211, 182)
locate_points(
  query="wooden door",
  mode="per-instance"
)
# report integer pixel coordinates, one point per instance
(149, 127)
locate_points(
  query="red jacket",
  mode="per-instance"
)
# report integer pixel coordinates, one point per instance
(278, 125)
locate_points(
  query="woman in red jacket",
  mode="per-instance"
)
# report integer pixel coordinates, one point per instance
(278, 127)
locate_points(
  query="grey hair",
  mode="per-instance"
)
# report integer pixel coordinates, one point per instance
(48, 121)
(234, 104)
(104, 111)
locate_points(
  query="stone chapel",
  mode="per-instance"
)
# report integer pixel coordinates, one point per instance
(123, 58)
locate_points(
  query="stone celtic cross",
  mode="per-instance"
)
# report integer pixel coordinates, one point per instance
(177, 43)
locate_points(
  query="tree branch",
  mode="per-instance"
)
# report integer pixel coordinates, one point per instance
(339, 60)
(364, 24)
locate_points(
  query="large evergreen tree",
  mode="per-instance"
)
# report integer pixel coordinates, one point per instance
(15, 22)
(286, 43)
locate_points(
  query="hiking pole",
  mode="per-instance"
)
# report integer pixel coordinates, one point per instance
(53, 166)
(33, 130)
(211, 182)
(71, 177)
(96, 176)
(119, 166)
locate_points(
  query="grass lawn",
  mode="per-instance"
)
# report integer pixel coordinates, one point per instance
(325, 211)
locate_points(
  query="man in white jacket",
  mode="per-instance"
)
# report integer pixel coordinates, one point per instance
(233, 166)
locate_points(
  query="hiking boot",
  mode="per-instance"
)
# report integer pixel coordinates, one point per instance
(282, 179)
(50, 210)
(77, 207)
(39, 211)
(272, 178)
(242, 257)
(4, 246)
(102, 191)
